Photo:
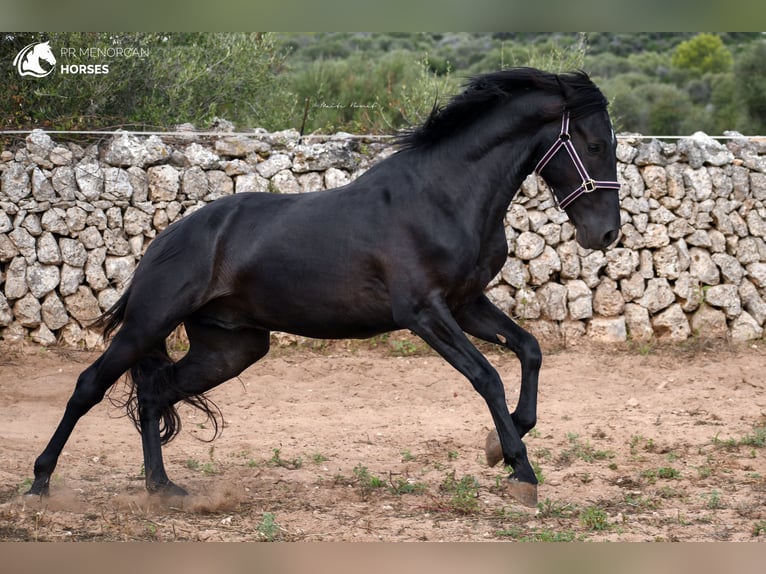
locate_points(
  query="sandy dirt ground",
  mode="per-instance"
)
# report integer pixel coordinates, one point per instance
(382, 440)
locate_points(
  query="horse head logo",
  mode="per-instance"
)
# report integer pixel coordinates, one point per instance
(29, 60)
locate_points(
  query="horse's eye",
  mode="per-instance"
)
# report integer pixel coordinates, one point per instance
(594, 148)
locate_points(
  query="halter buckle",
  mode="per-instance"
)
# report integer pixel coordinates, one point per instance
(588, 186)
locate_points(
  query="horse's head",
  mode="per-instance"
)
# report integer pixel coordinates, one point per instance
(43, 52)
(580, 167)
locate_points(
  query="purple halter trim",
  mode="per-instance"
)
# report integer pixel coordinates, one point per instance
(588, 184)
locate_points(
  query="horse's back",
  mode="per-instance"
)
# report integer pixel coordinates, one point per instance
(275, 261)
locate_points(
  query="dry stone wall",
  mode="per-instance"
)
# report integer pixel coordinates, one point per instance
(75, 220)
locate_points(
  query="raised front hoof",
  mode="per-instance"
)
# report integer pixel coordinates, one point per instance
(524, 492)
(493, 449)
(166, 490)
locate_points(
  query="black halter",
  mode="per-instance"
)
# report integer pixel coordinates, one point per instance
(588, 184)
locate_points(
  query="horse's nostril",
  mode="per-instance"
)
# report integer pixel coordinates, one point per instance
(610, 237)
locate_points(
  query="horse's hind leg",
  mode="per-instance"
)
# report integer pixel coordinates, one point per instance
(91, 386)
(215, 355)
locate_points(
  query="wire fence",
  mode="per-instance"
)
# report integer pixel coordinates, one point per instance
(338, 135)
(189, 133)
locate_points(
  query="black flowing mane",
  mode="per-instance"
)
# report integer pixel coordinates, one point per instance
(482, 92)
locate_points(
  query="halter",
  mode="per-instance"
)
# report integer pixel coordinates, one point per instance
(588, 184)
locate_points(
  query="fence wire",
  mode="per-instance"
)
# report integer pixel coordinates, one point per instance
(322, 137)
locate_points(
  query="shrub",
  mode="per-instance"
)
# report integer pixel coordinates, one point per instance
(702, 54)
(184, 78)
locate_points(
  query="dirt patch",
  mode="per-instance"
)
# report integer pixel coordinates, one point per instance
(382, 440)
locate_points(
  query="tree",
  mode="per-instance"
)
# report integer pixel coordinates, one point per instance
(668, 109)
(702, 54)
(728, 113)
(751, 85)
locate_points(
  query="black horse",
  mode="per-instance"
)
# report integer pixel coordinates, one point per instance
(411, 244)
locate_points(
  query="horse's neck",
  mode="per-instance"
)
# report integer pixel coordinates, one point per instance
(483, 185)
(33, 62)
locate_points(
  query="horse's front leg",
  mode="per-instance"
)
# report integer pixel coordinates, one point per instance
(484, 320)
(434, 323)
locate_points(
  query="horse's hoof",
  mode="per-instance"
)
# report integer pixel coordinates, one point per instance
(30, 494)
(493, 449)
(524, 492)
(166, 489)
(38, 490)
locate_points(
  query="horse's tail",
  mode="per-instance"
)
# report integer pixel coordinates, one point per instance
(154, 374)
(112, 317)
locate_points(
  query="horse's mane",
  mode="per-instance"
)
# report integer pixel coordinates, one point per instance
(482, 92)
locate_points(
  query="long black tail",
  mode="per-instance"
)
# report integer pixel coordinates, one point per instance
(154, 375)
(113, 317)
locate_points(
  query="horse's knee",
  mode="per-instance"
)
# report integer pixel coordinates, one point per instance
(487, 382)
(529, 352)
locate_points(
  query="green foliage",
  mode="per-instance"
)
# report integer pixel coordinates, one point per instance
(208, 468)
(403, 347)
(369, 92)
(727, 111)
(463, 492)
(550, 508)
(549, 536)
(184, 77)
(25, 485)
(268, 528)
(658, 83)
(277, 460)
(666, 109)
(319, 458)
(757, 440)
(404, 486)
(669, 92)
(594, 518)
(668, 472)
(759, 528)
(702, 54)
(366, 479)
(751, 84)
(713, 500)
(556, 58)
(584, 451)
(399, 486)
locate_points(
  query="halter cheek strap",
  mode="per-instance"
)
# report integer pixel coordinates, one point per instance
(588, 183)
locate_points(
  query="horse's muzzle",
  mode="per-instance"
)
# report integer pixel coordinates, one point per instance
(595, 241)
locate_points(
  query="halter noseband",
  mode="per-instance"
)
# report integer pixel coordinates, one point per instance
(588, 183)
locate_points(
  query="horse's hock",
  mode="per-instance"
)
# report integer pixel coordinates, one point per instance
(691, 260)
